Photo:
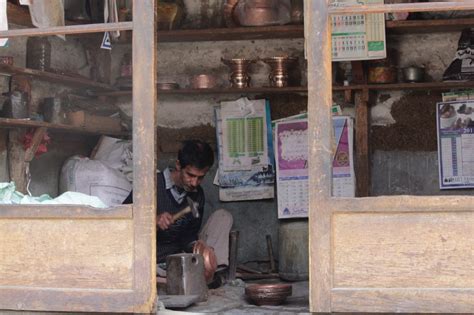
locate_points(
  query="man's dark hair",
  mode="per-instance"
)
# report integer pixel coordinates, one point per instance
(196, 153)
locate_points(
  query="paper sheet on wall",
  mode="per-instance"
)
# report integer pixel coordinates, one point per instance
(358, 36)
(291, 153)
(3, 21)
(252, 182)
(244, 134)
(455, 125)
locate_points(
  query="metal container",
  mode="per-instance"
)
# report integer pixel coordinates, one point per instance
(16, 106)
(6, 60)
(167, 85)
(413, 74)
(268, 294)
(279, 70)
(382, 74)
(53, 110)
(38, 53)
(293, 256)
(203, 81)
(239, 67)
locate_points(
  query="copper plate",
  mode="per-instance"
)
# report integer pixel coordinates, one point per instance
(268, 294)
(167, 86)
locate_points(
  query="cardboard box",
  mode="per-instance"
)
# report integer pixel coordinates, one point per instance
(94, 123)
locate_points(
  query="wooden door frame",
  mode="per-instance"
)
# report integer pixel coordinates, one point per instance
(142, 294)
(324, 209)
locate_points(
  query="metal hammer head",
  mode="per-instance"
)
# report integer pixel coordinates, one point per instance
(194, 207)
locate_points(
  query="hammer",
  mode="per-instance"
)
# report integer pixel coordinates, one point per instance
(191, 207)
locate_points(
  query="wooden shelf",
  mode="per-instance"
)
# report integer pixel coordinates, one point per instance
(440, 86)
(55, 78)
(25, 123)
(236, 33)
(428, 26)
(250, 90)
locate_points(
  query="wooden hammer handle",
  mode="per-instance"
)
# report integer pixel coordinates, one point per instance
(182, 212)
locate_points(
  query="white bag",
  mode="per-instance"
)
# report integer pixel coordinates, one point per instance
(94, 178)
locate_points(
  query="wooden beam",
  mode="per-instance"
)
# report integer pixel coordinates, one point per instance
(362, 161)
(35, 143)
(404, 7)
(17, 167)
(72, 29)
(144, 48)
(318, 45)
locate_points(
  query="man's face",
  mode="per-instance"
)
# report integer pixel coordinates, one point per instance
(190, 177)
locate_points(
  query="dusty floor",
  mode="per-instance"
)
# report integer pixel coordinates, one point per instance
(230, 299)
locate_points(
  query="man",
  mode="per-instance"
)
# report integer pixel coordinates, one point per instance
(195, 158)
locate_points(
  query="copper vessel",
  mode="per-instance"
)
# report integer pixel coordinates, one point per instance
(203, 81)
(210, 260)
(268, 294)
(239, 71)
(279, 73)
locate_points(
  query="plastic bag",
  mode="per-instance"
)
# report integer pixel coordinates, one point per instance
(462, 67)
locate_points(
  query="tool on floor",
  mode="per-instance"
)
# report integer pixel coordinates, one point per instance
(185, 275)
(192, 207)
(270, 254)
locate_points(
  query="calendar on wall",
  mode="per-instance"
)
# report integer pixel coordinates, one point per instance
(358, 36)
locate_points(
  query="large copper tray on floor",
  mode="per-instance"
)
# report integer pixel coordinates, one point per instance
(268, 294)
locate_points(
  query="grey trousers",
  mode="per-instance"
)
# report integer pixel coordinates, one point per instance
(215, 233)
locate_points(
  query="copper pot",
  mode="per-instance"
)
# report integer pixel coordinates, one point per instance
(382, 74)
(268, 294)
(279, 73)
(6, 60)
(239, 71)
(210, 260)
(203, 81)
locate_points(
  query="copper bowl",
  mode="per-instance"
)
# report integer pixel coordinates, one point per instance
(268, 294)
(167, 86)
(203, 81)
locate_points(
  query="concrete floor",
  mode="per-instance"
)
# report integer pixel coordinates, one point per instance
(230, 299)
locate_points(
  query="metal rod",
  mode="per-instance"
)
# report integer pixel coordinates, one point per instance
(234, 240)
(270, 253)
(403, 7)
(72, 29)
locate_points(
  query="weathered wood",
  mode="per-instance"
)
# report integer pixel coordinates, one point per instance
(35, 142)
(144, 153)
(415, 300)
(249, 90)
(71, 300)
(427, 26)
(362, 159)
(71, 29)
(55, 78)
(403, 250)
(100, 258)
(318, 44)
(404, 7)
(238, 33)
(17, 167)
(440, 86)
(22, 123)
(64, 212)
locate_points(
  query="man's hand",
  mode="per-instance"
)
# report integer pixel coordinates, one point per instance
(164, 220)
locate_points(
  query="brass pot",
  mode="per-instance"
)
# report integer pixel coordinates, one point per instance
(239, 67)
(279, 70)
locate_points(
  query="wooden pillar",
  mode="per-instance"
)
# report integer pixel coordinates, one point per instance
(144, 150)
(362, 158)
(318, 45)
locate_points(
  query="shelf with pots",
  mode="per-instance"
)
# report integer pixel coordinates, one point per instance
(74, 81)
